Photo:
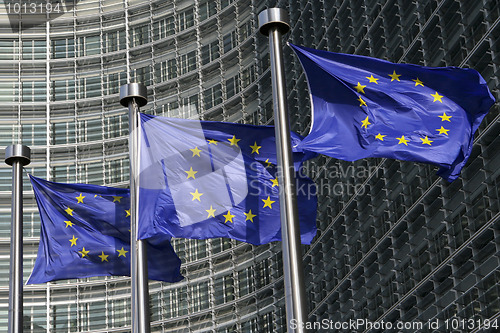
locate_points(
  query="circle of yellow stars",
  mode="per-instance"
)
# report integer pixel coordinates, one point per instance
(85, 253)
(360, 89)
(197, 195)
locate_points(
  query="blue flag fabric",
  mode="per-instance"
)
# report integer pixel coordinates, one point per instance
(367, 107)
(85, 233)
(202, 179)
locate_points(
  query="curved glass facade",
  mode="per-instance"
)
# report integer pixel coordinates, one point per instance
(395, 243)
(59, 93)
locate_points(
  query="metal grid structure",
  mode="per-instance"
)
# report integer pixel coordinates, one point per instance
(395, 243)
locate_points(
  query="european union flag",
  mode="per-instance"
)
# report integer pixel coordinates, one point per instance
(85, 233)
(202, 179)
(367, 107)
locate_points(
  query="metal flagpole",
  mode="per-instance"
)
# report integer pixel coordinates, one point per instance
(273, 22)
(134, 95)
(17, 156)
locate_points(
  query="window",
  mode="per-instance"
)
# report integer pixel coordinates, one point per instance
(34, 134)
(63, 90)
(245, 282)
(142, 75)
(199, 299)
(245, 30)
(229, 41)
(114, 41)
(176, 303)
(164, 28)
(9, 49)
(113, 82)
(63, 48)
(116, 171)
(209, 52)
(262, 274)
(171, 109)
(34, 49)
(224, 289)
(186, 19)
(63, 133)
(91, 173)
(232, 86)
(207, 9)
(140, 35)
(115, 126)
(212, 96)
(64, 173)
(166, 70)
(34, 91)
(188, 62)
(8, 91)
(189, 106)
(248, 75)
(225, 3)
(89, 45)
(90, 87)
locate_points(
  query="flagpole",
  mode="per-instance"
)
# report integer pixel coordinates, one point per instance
(134, 95)
(17, 156)
(273, 22)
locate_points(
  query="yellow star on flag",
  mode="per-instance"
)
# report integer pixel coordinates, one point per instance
(275, 182)
(418, 82)
(361, 102)
(268, 202)
(380, 137)
(372, 79)
(443, 130)
(196, 152)
(84, 252)
(437, 97)
(191, 173)
(234, 141)
(249, 216)
(117, 199)
(394, 76)
(444, 117)
(403, 140)
(80, 198)
(68, 223)
(104, 257)
(128, 212)
(73, 240)
(360, 88)
(122, 252)
(69, 211)
(255, 148)
(212, 142)
(426, 141)
(365, 123)
(229, 217)
(196, 195)
(268, 164)
(211, 212)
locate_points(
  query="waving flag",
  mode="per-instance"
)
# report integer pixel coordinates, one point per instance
(85, 233)
(211, 179)
(367, 107)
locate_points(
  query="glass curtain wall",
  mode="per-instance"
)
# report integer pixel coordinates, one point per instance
(395, 243)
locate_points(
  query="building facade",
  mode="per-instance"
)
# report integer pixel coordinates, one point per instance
(395, 243)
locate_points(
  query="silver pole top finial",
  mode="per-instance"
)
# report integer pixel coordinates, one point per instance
(135, 91)
(18, 152)
(273, 17)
